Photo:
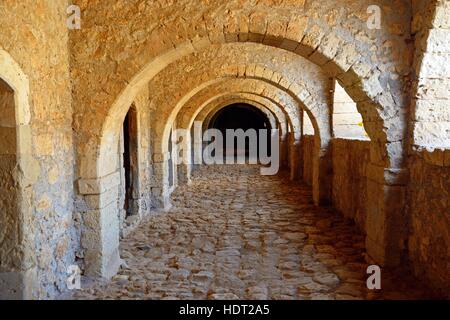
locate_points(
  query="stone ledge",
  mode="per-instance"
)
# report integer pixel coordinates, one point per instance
(387, 176)
(436, 157)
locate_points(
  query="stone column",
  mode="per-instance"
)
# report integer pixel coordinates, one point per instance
(301, 155)
(197, 148)
(288, 150)
(185, 163)
(144, 160)
(283, 151)
(386, 221)
(160, 184)
(295, 159)
(100, 234)
(322, 173)
(184, 173)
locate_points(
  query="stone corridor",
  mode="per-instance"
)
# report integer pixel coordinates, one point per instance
(234, 234)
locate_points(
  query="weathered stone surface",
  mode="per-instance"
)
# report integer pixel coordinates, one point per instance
(429, 238)
(350, 159)
(74, 178)
(34, 62)
(281, 269)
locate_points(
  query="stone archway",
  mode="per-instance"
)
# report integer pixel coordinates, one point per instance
(361, 80)
(249, 119)
(291, 103)
(17, 254)
(188, 115)
(282, 119)
(186, 120)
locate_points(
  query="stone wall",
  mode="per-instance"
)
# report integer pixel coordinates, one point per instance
(429, 209)
(349, 192)
(431, 77)
(429, 162)
(35, 36)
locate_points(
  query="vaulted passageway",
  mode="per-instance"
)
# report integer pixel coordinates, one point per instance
(244, 117)
(101, 124)
(236, 234)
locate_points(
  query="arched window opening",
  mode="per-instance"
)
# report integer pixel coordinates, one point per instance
(347, 121)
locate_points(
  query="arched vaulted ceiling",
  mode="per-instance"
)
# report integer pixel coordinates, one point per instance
(204, 111)
(121, 47)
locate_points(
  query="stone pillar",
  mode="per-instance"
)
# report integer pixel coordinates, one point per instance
(184, 173)
(160, 184)
(386, 221)
(288, 150)
(145, 174)
(144, 159)
(196, 150)
(100, 234)
(185, 164)
(295, 160)
(301, 155)
(284, 145)
(322, 174)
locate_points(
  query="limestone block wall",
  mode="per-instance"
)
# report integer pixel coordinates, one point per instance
(349, 192)
(429, 161)
(35, 36)
(429, 209)
(431, 77)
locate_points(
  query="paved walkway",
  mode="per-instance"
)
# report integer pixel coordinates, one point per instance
(234, 234)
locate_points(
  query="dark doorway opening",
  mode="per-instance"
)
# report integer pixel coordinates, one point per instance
(170, 162)
(130, 161)
(241, 116)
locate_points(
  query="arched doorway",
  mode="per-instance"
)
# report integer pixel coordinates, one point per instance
(18, 279)
(15, 281)
(10, 260)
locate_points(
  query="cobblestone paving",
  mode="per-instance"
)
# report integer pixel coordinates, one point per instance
(234, 234)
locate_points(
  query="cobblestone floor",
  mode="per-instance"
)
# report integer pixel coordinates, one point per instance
(234, 234)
